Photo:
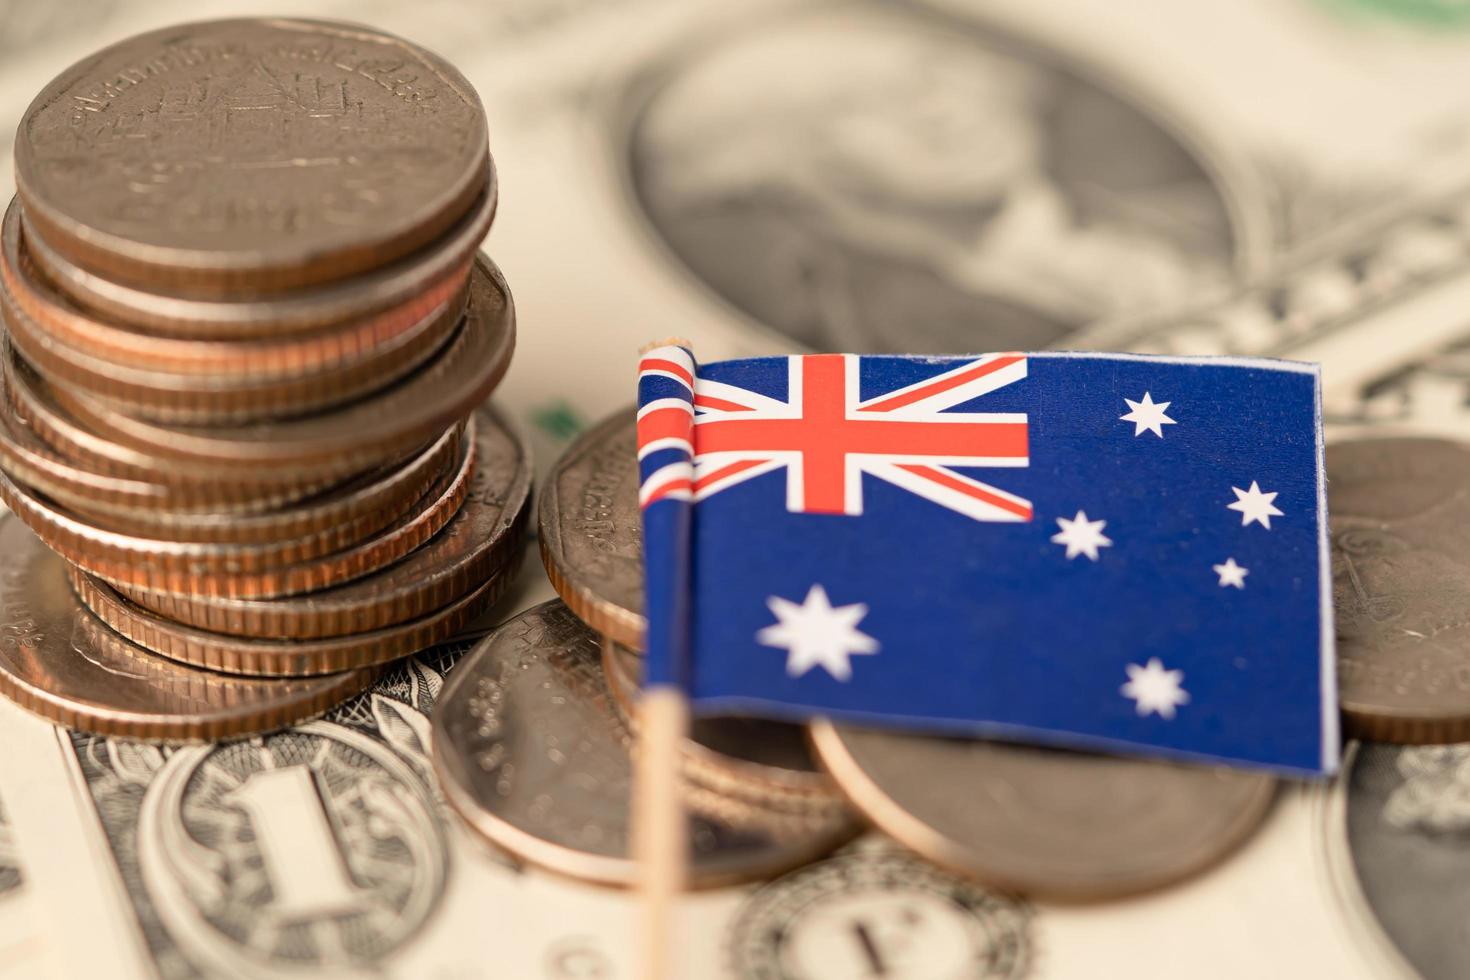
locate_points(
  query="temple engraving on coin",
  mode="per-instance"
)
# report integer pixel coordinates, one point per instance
(174, 142)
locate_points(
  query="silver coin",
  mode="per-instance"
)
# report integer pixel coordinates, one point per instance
(591, 532)
(59, 661)
(1061, 825)
(734, 754)
(530, 751)
(1401, 582)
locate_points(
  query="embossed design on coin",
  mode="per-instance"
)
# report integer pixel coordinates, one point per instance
(874, 911)
(1064, 825)
(591, 532)
(931, 188)
(530, 751)
(250, 154)
(1400, 512)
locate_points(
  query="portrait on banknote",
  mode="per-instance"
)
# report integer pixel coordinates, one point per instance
(876, 181)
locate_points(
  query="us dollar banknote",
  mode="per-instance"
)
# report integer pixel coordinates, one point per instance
(327, 848)
(24, 949)
(940, 176)
(1223, 177)
(1428, 395)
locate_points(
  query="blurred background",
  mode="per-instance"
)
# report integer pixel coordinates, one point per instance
(1263, 177)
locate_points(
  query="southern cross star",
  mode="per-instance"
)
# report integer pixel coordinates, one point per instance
(815, 634)
(1081, 536)
(1147, 416)
(1155, 690)
(1255, 505)
(1231, 574)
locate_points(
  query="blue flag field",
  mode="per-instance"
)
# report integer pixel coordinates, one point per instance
(1117, 552)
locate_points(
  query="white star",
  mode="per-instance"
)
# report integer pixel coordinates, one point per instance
(1081, 536)
(1155, 689)
(1254, 505)
(1231, 574)
(817, 635)
(1147, 416)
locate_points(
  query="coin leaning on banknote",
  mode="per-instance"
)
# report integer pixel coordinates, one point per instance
(247, 341)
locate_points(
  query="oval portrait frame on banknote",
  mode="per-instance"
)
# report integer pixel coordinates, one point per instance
(1348, 810)
(889, 275)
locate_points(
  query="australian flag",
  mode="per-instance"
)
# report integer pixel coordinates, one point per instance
(1125, 553)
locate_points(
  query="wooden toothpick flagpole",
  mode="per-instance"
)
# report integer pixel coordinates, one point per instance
(662, 840)
(666, 482)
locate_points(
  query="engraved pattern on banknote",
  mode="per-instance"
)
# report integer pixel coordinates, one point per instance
(10, 873)
(873, 910)
(1407, 815)
(1429, 395)
(321, 847)
(928, 188)
(314, 848)
(1343, 279)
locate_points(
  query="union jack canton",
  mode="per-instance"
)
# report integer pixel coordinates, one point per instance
(1093, 550)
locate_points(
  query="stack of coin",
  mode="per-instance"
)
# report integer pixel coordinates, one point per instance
(535, 733)
(247, 341)
(763, 794)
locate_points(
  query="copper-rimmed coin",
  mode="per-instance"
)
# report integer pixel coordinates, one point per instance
(60, 662)
(739, 756)
(1062, 825)
(437, 267)
(335, 519)
(263, 354)
(530, 752)
(34, 464)
(362, 434)
(590, 531)
(359, 148)
(1401, 583)
(120, 502)
(485, 537)
(244, 571)
(190, 486)
(227, 396)
(282, 658)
